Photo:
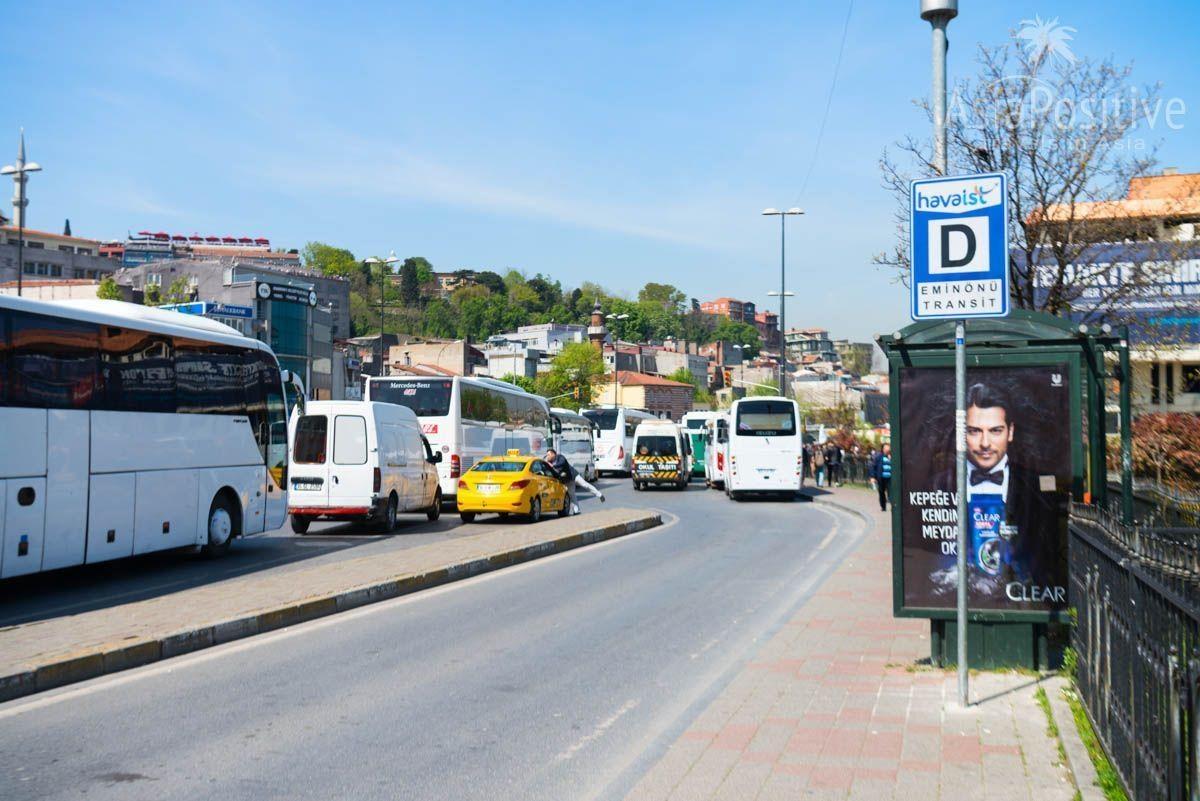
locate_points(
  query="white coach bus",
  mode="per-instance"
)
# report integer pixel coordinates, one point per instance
(126, 430)
(764, 452)
(614, 437)
(467, 419)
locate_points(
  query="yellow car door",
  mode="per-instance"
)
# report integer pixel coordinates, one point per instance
(550, 489)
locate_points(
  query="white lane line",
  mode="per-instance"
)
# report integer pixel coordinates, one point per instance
(599, 731)
(51, 697)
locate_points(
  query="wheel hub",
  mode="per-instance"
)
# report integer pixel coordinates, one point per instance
(220, 526)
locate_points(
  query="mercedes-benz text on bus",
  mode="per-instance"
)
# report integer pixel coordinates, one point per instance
(764, 451)
(467, 419)
(614, 437)
(126, 429)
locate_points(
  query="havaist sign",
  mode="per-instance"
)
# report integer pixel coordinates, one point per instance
(959, 236)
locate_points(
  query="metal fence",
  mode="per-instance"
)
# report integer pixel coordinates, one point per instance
(1136, 594)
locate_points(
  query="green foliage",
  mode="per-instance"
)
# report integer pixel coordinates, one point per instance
(108, 289)
(572, 373)
(524, 382)
(759, 391)
(737, 333)
(151, 295)
(1106, 775)
(493, 282)
(664, 296)
(330, 260)
(410, 285)
(180, 291)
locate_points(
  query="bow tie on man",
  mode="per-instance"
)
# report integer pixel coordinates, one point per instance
(980, 476)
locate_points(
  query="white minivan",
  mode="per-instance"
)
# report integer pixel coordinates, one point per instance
(363, 461)
(661, 455)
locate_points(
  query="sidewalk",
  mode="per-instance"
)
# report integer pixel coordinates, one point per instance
(49, 653)
(841, 704)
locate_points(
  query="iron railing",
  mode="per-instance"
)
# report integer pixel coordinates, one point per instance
(1136, 594)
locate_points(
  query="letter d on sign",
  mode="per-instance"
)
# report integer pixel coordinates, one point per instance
(958, 245)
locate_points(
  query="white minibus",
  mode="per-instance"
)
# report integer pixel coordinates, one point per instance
(614, 437)
(660, 455)
(361, 461)
(716, 451)
(765, 452)
(126, 429)
(467, 419)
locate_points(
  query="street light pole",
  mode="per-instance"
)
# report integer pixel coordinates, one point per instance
(939, 13)
(783, 293)
(383, 279)
(20, 173)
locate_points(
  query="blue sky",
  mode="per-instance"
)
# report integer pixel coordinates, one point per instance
(615, 142)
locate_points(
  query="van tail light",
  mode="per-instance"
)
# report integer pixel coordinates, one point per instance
(522, 484)
(377, 480)
(621, 452)
(462, 484)
(455, 466)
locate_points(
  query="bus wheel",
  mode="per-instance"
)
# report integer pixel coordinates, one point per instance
(435, 511)
(535, 510)
(300, 524)
(222, 526)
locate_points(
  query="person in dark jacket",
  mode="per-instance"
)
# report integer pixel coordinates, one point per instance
(880, 473)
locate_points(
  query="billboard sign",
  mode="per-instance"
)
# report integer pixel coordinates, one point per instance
(1019, 479)
(959, 240)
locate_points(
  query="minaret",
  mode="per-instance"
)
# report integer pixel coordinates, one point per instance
(597, 333)
(19, 179)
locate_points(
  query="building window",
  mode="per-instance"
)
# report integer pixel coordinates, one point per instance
(1155, 394)
(56, 270)
(35, 245)
(30, 267)
(1170, 383)
(1191, 378)
(153, 279)
(66, 248)
(84, 251)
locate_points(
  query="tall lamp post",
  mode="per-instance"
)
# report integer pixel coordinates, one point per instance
(20, 172)
(938, 14)
(616, 357)
(388, 262)
(782, 293)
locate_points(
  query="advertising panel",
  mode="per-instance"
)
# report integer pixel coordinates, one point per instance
(1019, 479)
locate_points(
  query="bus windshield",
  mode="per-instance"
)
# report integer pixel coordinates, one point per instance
(766, 418)
(425, 398)
(605, 419)
(656, 446)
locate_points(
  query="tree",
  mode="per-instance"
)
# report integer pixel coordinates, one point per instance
(1063, 133)
(664, 296)
(152, 295)
(179, 291)
(329, 260)
(410, 286)
(572, 374)
(524, 382)
(421, 267)
(109, 289)
(737, 333)
(1167, 448)
(493, 282)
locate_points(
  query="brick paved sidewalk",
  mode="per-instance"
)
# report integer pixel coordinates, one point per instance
(48, 653)
(841, 704)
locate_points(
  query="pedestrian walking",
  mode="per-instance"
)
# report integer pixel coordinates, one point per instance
(818, 460)
(881, 474)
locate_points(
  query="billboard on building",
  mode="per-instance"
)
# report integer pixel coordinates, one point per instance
(1019, 478)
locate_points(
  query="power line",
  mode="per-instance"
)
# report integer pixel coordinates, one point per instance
(837, 66)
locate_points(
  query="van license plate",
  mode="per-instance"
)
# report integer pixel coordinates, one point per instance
(305, 486)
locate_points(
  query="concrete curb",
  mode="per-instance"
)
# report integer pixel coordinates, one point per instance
(1078, 759)
(90, 663)
(844, 507)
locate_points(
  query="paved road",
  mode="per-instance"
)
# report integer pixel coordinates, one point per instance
(564, 678)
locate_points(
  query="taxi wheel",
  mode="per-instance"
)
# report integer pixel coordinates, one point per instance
(467, 517)
(566, 508)
(535, 510)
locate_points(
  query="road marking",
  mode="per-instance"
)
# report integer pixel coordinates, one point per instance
(599, 731)
(51, 697)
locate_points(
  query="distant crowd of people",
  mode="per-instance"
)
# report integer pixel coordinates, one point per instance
(825, 465)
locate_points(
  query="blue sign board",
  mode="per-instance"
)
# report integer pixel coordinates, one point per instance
(959, 240)
(210, 309)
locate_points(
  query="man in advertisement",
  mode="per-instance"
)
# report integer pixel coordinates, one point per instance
(1018, 469)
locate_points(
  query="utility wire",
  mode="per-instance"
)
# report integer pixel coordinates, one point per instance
(837, 66)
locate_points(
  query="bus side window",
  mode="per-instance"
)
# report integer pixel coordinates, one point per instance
(53, 363)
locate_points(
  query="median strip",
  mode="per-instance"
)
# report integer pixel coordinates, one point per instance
(42, 655)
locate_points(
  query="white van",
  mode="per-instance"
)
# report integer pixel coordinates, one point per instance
(359, 460)
(716, 451)
(661, 455)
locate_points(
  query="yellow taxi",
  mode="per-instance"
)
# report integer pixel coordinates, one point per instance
(511, 484)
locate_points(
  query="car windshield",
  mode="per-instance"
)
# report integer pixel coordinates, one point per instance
(426, 398)
(498, 467)
(766, 418)
(656, 446)
(605, 419)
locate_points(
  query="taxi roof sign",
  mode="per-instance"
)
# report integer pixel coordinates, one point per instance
(514, 452)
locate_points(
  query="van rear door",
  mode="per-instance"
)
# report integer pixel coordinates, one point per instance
(351, 468)
(309, 476)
